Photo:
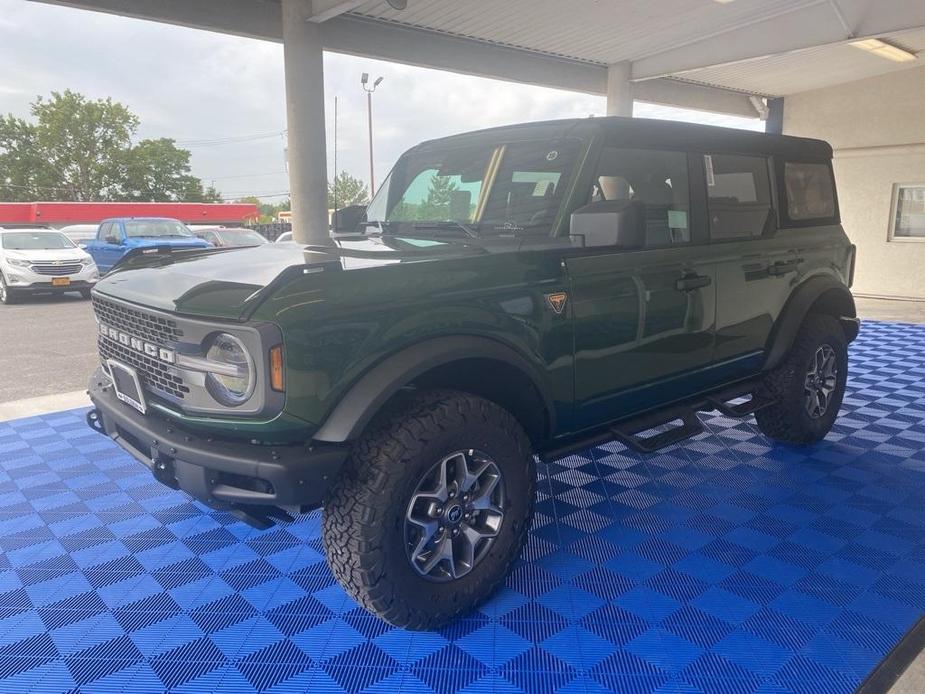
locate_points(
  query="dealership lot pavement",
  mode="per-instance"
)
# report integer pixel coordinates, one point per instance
(47, 346)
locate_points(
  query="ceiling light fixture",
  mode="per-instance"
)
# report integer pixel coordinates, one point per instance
(886, 50)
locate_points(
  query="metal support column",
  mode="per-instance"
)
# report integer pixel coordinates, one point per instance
(304, 64)
(620, 90)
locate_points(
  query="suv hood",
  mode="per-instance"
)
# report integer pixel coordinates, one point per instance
(226, 282)
(48, 255)
(172, 241)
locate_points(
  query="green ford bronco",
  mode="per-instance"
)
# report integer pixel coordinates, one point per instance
(522, 291)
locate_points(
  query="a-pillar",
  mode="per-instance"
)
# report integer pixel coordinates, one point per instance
(304, 65)
(620, 90)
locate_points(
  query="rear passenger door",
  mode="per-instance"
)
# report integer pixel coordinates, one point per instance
(643, 318)
(754, 266)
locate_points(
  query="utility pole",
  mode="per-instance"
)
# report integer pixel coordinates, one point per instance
(364, 80)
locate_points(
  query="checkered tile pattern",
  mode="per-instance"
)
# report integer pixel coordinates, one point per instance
(726, 564)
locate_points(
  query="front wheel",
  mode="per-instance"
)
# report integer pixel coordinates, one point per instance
(432, 509)
(808, 386)
(6, 294)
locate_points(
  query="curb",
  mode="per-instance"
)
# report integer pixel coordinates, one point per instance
(44, 404)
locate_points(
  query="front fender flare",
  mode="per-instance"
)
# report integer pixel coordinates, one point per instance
(821, 291)
(377, 386)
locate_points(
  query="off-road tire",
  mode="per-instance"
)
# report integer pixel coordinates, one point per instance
(6, 294)
(364, 515)
(787, 420)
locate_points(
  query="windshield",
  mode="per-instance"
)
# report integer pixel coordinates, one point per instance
(35, 241)
(492, 186)
(158, 228)
(241, 237)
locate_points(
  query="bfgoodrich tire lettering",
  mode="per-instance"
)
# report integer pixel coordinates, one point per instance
(791, 419)
(365, 515)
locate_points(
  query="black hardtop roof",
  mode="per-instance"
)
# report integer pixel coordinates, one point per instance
(659, 134)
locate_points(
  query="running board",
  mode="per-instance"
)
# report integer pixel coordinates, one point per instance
(720, 401)
(629, 432)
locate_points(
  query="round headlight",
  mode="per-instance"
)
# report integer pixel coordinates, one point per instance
(233, 383)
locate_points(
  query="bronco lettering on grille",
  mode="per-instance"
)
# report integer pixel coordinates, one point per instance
(168, 356)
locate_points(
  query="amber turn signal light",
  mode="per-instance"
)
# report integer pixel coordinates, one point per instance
(276, 368)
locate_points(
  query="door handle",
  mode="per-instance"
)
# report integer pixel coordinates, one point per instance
(690, 282)
(782, 267)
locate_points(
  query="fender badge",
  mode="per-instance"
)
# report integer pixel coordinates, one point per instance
(556, 302)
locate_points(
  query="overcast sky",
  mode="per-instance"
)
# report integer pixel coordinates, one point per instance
(198, 87)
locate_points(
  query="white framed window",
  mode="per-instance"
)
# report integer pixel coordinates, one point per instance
(907, 216)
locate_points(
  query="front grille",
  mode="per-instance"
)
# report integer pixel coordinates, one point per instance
(147, 326)
(57, 270)
(154, 374)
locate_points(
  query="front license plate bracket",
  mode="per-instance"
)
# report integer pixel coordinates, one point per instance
(127, 385)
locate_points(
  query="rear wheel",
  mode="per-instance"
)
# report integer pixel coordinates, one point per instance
(85, 293)
(809, 385)
(432, 509)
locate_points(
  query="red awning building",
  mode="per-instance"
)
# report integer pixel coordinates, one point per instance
(61, 214)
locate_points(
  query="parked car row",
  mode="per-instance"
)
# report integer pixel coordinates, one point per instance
(39, 259)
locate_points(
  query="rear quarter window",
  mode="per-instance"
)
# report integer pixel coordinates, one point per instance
(810, 192)
(738, 196)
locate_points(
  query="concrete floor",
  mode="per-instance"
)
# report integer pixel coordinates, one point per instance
(913, 679)
(890, 310)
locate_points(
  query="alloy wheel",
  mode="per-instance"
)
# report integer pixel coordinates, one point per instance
(454, 515)
(820, 382)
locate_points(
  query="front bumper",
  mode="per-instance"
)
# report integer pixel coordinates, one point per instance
(248, 479)
(22, 279)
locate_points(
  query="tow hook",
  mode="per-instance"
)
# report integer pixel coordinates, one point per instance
(163, 470)
(95, 421)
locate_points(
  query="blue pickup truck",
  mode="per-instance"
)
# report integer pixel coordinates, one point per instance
(116, 237)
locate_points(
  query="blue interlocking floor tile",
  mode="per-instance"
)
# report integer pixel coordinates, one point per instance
(727, 564)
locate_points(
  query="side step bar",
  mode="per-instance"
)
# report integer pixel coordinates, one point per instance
(631, 431)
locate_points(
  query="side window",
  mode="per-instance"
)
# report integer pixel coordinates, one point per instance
(104, 231)
(656, 178)
(810, 191)
(739, 196)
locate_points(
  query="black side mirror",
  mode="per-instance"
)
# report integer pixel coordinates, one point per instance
(618, 223)
(348, 219)
(113, 240)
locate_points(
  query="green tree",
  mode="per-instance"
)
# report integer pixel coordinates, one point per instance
(346, 190)
(436, 205)
(158, 171)
(22, 172)
(267, 210)
(81, 149)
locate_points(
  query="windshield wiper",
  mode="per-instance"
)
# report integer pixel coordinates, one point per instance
(450, 224)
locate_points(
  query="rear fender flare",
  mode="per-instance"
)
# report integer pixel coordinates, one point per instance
(378, 385)
(824, 291)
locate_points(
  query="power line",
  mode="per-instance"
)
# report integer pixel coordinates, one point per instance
(233, 140)
(257, 175)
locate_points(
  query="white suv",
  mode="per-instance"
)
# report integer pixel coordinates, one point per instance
(34, 260)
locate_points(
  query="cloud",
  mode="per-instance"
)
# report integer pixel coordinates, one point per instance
(197, 85)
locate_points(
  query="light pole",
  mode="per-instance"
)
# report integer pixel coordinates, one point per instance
(364, 80)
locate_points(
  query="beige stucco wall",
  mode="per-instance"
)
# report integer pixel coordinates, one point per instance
(877, 128)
